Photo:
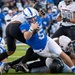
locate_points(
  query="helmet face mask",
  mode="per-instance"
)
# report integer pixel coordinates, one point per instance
(31, 20)
(71, 46)
(68, 2)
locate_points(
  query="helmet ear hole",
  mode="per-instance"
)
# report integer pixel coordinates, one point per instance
(56, 66)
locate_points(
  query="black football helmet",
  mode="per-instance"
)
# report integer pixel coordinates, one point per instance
(56, 66)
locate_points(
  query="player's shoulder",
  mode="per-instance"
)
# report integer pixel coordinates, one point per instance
(25, 24)
(73, 4)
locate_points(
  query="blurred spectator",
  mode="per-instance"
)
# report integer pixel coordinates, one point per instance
(45, 23)
(0, 3)
(1, 21)
(49, 13)
(19, 4)
(50, 1)
(55, 25)
(14, 10)
(11, 4)
(6, 4)
(5, 10)
(4, 1)
(48, 10)
(31, 2)
(7, 18)
(20, 9)
(26, 4)
(56, 2)
(37, 5)
(43, 4)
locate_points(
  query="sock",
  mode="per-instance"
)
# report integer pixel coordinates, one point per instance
(27, 56)
(35, 56)
(73, 69)
(15, 62)
(37, 64)
(3, 56)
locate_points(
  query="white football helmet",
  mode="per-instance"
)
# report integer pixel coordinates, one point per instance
(2, 42)
(54, 10)
(64, 41)
(68, 1)
(30, 12)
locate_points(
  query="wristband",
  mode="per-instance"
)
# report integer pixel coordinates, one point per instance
(31, 29)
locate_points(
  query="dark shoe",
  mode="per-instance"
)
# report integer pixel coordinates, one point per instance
(22, 67)
(6, 67)
(19, 68)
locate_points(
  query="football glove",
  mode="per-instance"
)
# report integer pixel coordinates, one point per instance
(66, 20)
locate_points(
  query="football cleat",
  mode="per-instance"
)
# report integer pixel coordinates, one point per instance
(22, 67)
(6, 67)
(19, 68)
(1, 70)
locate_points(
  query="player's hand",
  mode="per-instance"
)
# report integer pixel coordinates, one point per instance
(35, 26)
(66, 20)
(54, 21)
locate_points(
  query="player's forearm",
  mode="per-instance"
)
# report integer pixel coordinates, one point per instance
(58, 18)
(72, 20)
(28, 35)
(72, 55)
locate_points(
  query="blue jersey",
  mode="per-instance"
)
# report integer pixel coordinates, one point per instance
(50, 1)
(54, 16)
(39, 39)
(45, 21)
(1, 19)
(2, 49)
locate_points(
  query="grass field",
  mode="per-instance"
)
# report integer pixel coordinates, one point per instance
(20, 51)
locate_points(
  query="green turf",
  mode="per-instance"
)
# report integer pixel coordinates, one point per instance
(20, 51)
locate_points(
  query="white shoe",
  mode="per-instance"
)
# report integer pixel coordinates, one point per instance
(1, 70)
(1, 67)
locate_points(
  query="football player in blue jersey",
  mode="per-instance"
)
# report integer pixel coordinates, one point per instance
(39, 41)
(40, 66)
(2, 49)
